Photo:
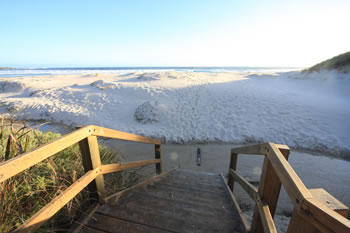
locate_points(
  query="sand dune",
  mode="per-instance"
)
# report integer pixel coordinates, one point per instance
(291, 108)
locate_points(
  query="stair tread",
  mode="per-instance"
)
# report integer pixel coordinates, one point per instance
(183, 201)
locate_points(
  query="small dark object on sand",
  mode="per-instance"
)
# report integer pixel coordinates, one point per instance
(198, 156)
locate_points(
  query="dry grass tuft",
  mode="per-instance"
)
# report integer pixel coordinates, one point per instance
(24, 194)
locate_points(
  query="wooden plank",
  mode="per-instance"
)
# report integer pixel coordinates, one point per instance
(330, 201)
(295, 188)
(18, 164)
(173, 216)
(233, 165)
(109, 168)
(206, 181)
(265, 216)
(87, 229)
(58, 202)
(319, 215)
(91, 160)
(148, 197)
(298, 224)
(107, 223)
(238, 209)
(110, 133)
(202, 199)
(248, 187)
(78, 225)
(196, 190)
(114, 197)
(283, 147)
(87, 164)
(302, 221)
(253, 149)
(158, 155)
(96, 162)
(171, 211)
(269, 190)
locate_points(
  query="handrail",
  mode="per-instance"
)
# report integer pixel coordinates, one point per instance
(111, 133)
(19, 163)
(295, 188)
(315, 213)
(94, 170)
(58, 202)
(115, 167)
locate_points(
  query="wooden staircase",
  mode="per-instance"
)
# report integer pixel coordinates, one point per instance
(183, 201)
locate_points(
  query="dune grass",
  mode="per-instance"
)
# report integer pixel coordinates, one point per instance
(341, 63)
(24, 194)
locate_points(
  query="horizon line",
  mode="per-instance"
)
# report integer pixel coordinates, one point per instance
(142, 67)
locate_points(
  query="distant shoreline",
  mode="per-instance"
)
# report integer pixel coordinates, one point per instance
(14, 72)
(152, 67)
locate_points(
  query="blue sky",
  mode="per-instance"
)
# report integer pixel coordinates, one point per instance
(172, 33)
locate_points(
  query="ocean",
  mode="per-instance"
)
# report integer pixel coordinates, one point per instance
(120, 70)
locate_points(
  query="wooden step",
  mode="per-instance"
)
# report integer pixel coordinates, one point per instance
(183, 201)
(171, 220)
(181, 195)
(111, 224)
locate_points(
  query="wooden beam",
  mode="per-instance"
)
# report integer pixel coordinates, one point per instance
(91, 160)
(330, 201)
(248, 187)
(295, 188)
(78, 225)
(305, 221)
(265, 216)
(109, 168)
(269, 190)
(58, 202)
(96, 162)
(283, 147)
(158, 155)
(18, 164)
(238, 209)
(87, 164)
(322, 217)
(253, 149)
(298, 224)
(233, 165)
(114, 197)
(110, 133)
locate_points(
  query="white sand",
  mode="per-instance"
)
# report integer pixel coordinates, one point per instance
(307, 111)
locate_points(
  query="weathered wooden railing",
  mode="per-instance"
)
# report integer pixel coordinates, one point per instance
(312, 212)
(94, 170)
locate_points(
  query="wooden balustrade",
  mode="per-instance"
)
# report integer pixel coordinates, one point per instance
(94, 170)
(311, 213)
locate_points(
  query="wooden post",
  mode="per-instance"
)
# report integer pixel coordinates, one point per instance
(91, 160)
(269, 190)
(158, 155)
(233, 165)
(298, 224)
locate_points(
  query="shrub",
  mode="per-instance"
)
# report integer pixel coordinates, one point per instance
(26, 193)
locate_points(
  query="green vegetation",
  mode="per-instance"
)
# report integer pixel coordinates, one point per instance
(24, 194)
(340, 63)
